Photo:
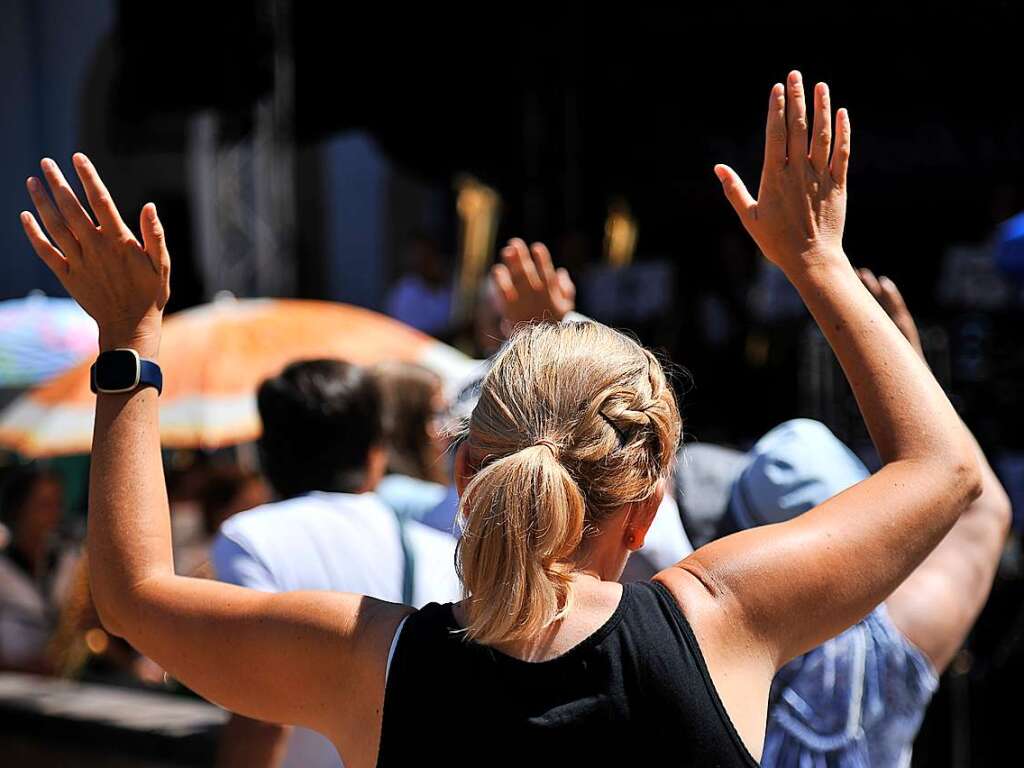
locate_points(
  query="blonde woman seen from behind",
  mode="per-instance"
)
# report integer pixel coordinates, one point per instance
(549, 659)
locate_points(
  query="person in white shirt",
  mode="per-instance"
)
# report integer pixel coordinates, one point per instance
(322, 452)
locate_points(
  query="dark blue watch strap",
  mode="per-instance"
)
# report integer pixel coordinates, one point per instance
(150, 375)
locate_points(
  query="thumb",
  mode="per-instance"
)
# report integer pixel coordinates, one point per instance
(735, 190)
(154, 242)
(566, 284)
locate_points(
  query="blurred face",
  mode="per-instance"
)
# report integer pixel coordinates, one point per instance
(40, 514)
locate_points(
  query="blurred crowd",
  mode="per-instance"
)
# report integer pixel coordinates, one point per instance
(351, 487)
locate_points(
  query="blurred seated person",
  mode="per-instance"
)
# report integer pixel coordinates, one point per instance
(322, 451)
(859, 698)
(422, 295)
(34, 571)
(413, 402)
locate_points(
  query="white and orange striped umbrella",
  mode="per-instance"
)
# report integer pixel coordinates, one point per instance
(214, 358)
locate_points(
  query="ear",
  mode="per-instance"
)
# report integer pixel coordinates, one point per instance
(462, 473)
(641, 516)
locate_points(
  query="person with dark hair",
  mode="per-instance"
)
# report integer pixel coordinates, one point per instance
(322, 429)
(547, 659)
(32, 504)
(323, 451)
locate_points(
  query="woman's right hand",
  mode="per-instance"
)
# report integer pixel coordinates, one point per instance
(798, 216)
(122, 283)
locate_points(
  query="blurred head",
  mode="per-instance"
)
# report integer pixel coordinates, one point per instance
(423, 257)
(561, 469)
(793, 468)
(412, 401)
(321, 429)
(32, 505)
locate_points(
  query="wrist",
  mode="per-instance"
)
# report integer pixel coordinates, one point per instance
(143, 337)
(818, 265)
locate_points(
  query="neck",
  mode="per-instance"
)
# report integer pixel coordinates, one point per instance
(602, 563)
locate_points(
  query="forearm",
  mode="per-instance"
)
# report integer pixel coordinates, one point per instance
(129, 537)
(906, 411)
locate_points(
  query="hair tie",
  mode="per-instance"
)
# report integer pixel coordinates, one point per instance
(549, 445)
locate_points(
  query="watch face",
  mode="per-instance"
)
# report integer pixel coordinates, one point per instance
(117, 371)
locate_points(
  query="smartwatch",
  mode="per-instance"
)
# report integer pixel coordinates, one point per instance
(122, 370)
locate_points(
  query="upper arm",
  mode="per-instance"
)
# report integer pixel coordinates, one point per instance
(315, 659)
(788, 587)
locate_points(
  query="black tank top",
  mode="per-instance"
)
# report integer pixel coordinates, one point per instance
(635, 692)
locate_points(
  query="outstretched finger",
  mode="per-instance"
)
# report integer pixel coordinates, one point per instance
(841, 153)
(822, 139)
(154, 240)
(502, 281)
(44, 249)
(735, 191)
(796, 118)
(100, 201)
(871, 283)
(517, 258)
(893, 303)
(775, 129)
(565, 283)
(71, 209)
(52, 220)
(891, 298)
(542, 263)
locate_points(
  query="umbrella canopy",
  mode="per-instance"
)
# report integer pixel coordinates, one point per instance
(41, 337)
(214, 358)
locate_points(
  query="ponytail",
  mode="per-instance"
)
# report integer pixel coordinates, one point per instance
(524, 519)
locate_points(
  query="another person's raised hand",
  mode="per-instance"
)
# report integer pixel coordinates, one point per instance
(528, 287)
(122, 283)
(798, 216)
(888, 295)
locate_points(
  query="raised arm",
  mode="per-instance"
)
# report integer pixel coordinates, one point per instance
(312, 659)
(940, 601)
(777, 591)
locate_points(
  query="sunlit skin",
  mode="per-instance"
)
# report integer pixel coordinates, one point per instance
(318, 659)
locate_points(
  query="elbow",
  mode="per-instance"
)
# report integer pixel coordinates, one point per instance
(120, 611)
(997, 506)
(966, 478)
(109, 617)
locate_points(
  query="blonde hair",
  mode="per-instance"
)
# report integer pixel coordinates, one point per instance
(575, 421)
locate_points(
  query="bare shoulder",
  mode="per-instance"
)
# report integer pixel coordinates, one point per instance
(368, 627)
(740, 668)
(699, 597)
